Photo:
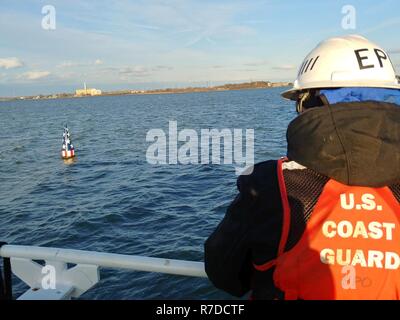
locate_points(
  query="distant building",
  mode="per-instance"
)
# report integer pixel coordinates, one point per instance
(87, 91)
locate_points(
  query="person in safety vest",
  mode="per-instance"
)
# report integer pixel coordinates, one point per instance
(323, 223)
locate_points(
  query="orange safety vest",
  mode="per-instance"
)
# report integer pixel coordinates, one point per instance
(350, 248)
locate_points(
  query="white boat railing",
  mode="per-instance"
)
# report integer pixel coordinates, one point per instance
(55, 280)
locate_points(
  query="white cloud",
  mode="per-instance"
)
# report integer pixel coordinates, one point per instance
(136, 71)
(285, 67)
(35, 75)
(162, 67)
(68, 75)
(10, 63)
(388, 23)
(73, 64)
(256, 63)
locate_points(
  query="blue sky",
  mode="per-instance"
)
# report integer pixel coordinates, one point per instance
(159, 43)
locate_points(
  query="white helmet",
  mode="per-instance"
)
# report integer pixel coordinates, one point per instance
(349, 61)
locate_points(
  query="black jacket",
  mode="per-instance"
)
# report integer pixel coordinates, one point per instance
(353, 143)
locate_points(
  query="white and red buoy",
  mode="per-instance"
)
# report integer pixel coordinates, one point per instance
(67, 151)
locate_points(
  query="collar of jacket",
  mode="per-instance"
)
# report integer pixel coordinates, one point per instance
(354, 143)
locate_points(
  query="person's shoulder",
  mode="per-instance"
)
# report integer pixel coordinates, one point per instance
(258, 178)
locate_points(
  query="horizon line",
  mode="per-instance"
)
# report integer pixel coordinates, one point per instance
(182, 86)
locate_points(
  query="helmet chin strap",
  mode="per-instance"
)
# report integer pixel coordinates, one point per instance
(303, 97)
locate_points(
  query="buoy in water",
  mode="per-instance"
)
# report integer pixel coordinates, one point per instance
(67, 150)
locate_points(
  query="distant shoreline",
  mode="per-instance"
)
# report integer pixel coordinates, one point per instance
(225, 87)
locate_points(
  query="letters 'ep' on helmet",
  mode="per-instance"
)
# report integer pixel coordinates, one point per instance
(348, 61)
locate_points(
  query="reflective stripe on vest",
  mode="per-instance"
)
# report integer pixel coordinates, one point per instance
(350, 248)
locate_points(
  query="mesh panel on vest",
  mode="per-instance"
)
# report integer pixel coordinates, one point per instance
(396, 191)
(303, 187)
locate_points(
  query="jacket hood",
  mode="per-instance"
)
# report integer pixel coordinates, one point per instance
(354, 143)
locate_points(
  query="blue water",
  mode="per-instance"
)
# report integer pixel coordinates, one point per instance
(110, 199)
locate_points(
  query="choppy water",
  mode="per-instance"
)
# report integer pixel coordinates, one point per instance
(110, 199)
